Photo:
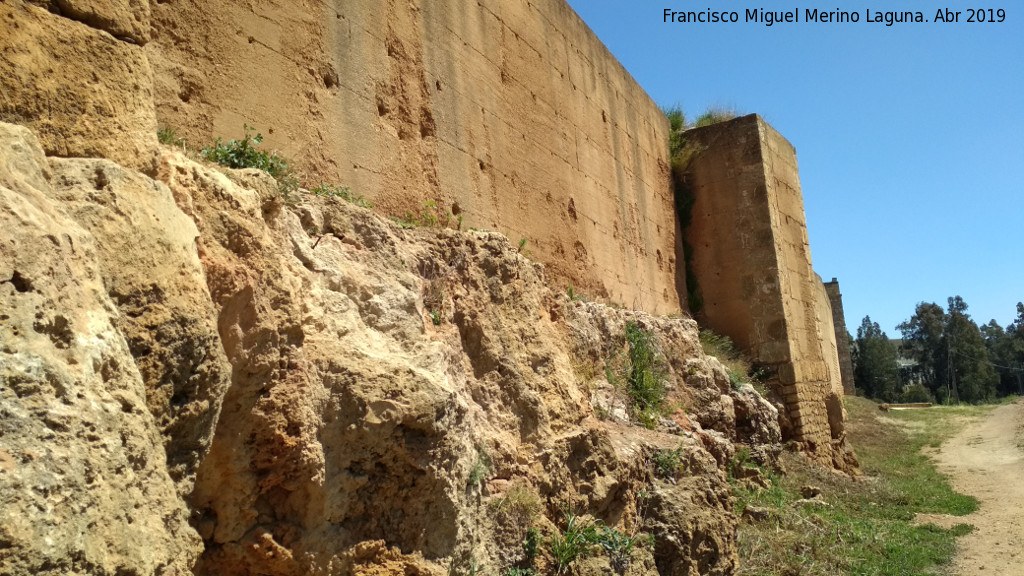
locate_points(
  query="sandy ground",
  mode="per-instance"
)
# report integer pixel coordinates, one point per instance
(986, 461)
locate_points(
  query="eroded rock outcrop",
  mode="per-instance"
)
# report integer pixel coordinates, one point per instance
(322, 391)
(84, 482)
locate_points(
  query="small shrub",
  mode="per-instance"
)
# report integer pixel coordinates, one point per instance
(618, 546)
(668, 463)
(574, 542)
(427, 217)
(471, 569)
(917, 393)
(167, 135)
(521, 504)
(677, 125)
(243, 154)
(647, 373)
(435, 317)
(739, 462)
(531, 545)
(522, 244)
(481, 468)
(342, 192)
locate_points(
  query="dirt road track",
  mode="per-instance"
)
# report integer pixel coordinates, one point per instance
(986, 461)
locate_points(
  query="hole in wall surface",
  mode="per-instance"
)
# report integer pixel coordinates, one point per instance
(20, 283)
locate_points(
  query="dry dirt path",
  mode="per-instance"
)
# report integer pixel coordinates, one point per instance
(985, 461)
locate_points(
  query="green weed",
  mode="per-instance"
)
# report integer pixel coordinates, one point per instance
(574, 542)
(722, 347)
(343, 192)
(531, 545)
(645, 382)
(714, 115)
(618, 545)
(575, 295)
(520, 504)
(668, 463)
(167, 135)
(482, 466)
(429, 216)
(243, 154)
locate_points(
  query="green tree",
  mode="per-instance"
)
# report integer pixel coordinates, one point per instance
(1000, 346)
(1006, 351)
(924, 343)
(875, 370)
(972, 373)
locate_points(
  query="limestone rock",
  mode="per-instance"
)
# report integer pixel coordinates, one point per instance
(810, 492)
(318, 389)
(756, 514)
(693, 526)
(150, 266)
(83, 481)
(355, 416)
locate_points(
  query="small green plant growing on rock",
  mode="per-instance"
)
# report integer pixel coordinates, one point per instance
(739, 462)
(521, 504)
(574, 542)
(531, 545)
(471, 569)
(619, 546)
(645, 381)
(429, 216)
(343, 192)
(575, 295)
(668, 463)
(167, 135)
(482, 466)
(722, 347)
(243, 154)
(714, 115)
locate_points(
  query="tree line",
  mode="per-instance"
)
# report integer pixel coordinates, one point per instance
(944, 356)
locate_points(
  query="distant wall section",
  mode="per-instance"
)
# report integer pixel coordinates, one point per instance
(509, 113)
(842, 336)
(827, 337)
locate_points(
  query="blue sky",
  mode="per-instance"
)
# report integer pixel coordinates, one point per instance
(910, 138)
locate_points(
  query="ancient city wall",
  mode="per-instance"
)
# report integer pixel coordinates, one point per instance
(827, 335)
(511, 114)
(752, 263)
(80, 80)
(842, 336)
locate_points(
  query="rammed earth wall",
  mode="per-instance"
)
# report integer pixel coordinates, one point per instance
(752, 263)
(842, 335)
(510, 114)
